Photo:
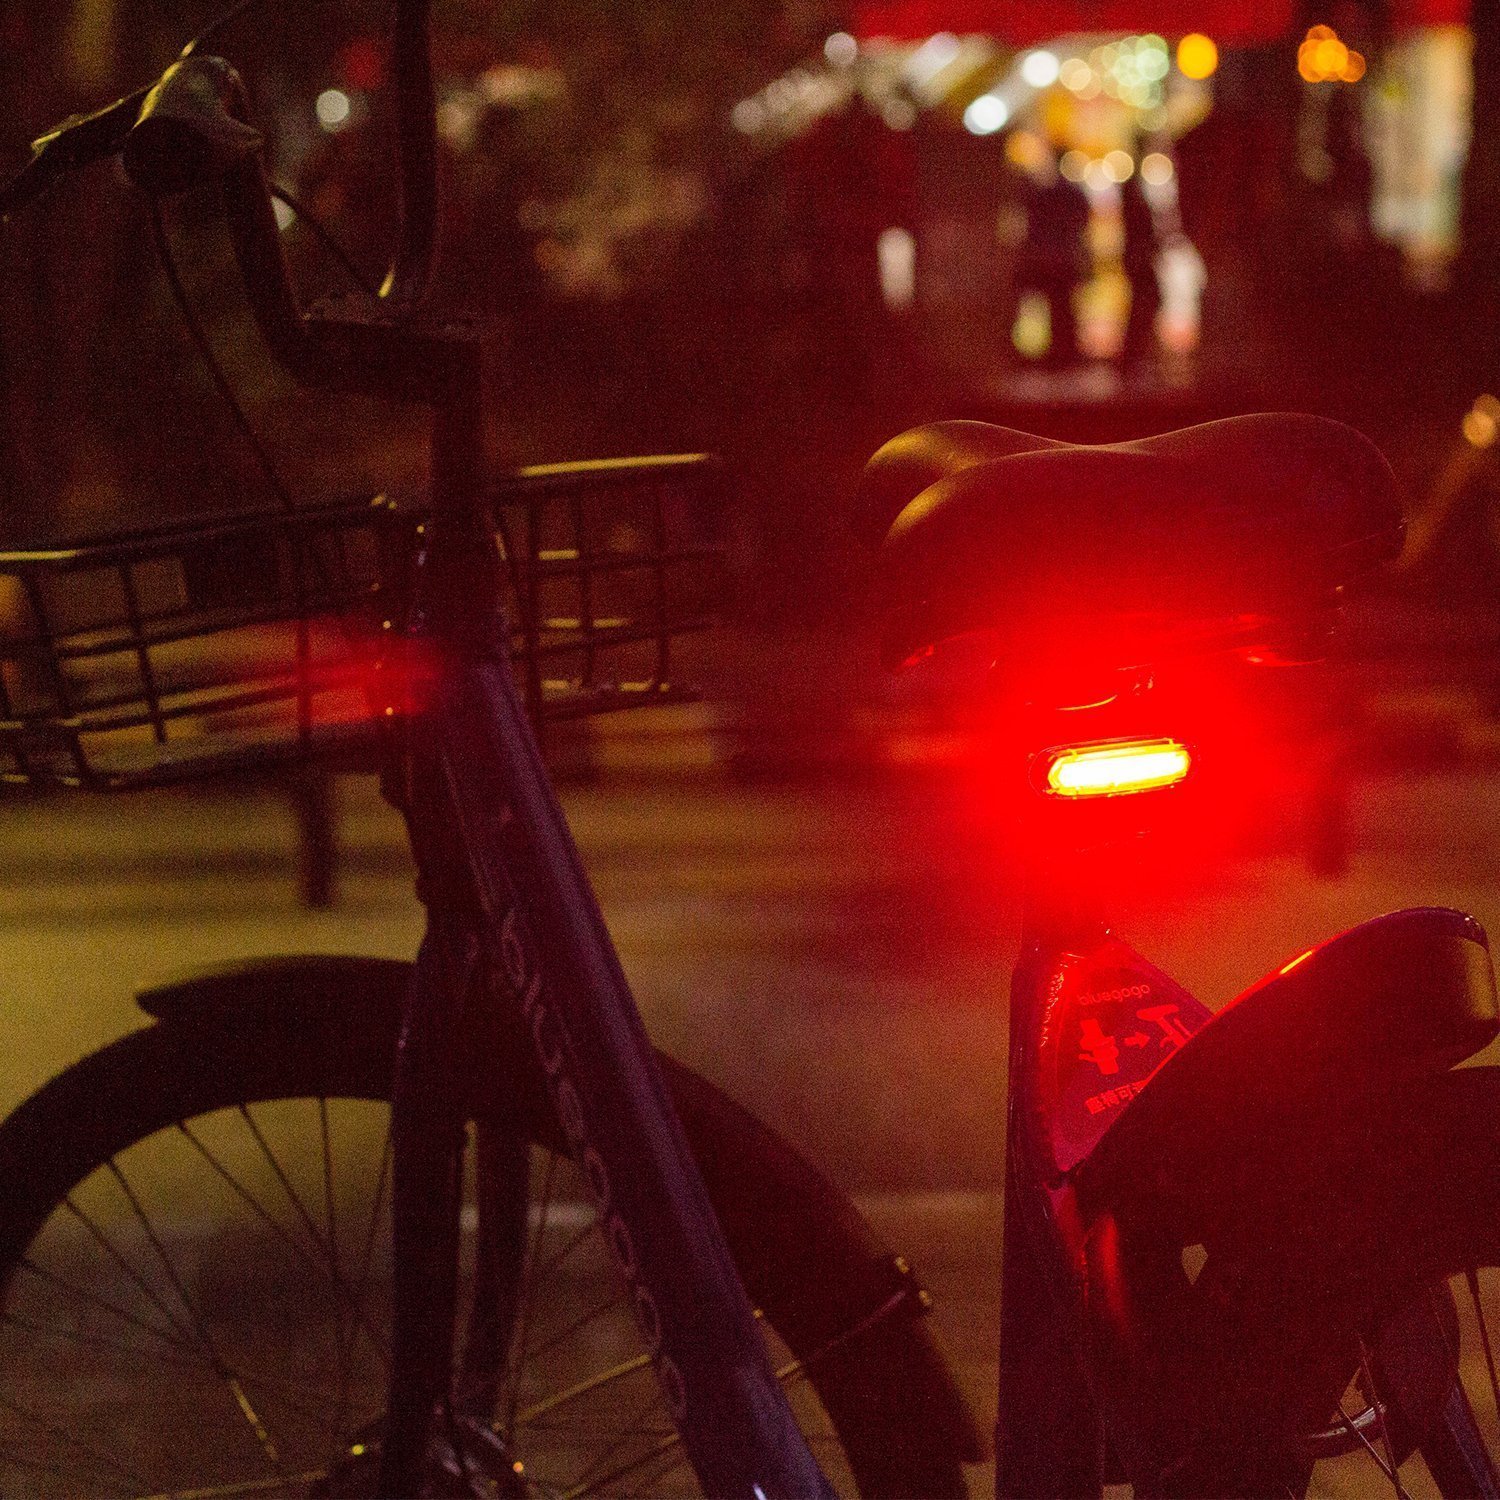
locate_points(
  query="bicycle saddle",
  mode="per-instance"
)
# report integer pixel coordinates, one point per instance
(1254, 1105)
(1211, 536)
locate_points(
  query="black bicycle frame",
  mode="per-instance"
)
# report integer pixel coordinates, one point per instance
(511, 911)
(533, 930)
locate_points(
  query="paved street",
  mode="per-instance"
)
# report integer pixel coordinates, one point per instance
(834, 954)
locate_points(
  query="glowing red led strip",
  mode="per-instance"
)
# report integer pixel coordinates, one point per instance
(1116, 768)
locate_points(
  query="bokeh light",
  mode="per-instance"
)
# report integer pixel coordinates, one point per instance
(1481, 423)
(1324, 58)
(1076, 74)
(1040, 68)
(841, 49)
(1131, 70)
(1157, 168)
(986, 115)
(332, 109)
(1026, 150)
(1073, 165)
(748, 116)
(1197, 56)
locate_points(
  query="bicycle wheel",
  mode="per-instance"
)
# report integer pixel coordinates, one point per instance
(1376, 1303)
(1419, 1417)
(195, 1281)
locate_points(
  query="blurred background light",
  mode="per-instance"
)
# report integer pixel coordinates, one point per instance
(748, 116)
(841, 49)
(332, 109)
(1481, 423)
(1197, 56)
(1324, 58)
(1076, 74)
(1157, 168)
(1074, 165)
(986, 115)
(896, 253)
(1040, 68)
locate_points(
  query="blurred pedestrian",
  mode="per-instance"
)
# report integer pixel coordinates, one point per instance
(1139, 262)
(1054, 253)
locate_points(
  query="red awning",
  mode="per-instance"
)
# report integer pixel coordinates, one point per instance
(1231, 23)
(1406, 13)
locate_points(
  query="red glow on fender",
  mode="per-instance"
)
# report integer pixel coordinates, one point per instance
(1114, 768)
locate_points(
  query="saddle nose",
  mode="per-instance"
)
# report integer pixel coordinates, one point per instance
(922, 456)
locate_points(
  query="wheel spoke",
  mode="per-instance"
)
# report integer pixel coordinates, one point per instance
(591, 1484)
(648, 1473)
(357, 1321)
(324, 1249)
(90, 1341)
(70, 1441)
(1472, 1277)
(132, 1274)
(158, 1366)
(520, 1338)
(103, 1304)
(586, 1387)
(579, 1237)
(78, 1481)
(330, 1215)
(253, 1421)
(798, 1367)
(354, 1304)
(199, 1327)
(576, 1325)
(233, 1382)
(1385, 1431)
(240, 1487)
(1352, 1426)
(787, 1374)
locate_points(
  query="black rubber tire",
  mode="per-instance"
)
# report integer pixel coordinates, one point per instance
(1375, 1214)
(1426, 1212)
(807, 1259)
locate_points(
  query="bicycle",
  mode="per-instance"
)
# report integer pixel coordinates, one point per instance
(1105, 1330)
(608, 1335)
(1218, 1225)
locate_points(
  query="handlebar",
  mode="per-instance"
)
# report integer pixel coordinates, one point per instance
(77, 141)
(193, 126)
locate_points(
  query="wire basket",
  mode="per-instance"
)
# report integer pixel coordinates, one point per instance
(227, 645)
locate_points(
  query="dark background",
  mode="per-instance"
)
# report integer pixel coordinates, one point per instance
(656, 280)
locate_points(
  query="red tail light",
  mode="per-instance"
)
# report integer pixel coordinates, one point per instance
(1112, 768)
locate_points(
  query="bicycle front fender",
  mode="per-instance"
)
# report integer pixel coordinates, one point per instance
(291, 983)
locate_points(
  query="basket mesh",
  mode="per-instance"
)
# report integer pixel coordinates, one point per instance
(172, 654)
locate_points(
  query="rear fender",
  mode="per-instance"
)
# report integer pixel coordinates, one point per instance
(1248, 1112)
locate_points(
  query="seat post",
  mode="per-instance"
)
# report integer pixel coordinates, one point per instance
(1049, 1439)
